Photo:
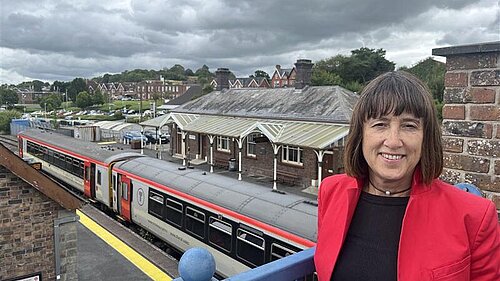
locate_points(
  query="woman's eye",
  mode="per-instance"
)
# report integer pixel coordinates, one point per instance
(379, 125)
(411, 126)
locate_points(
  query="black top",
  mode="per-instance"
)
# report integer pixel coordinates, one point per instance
(370, 250)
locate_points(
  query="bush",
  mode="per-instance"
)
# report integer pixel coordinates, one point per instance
(6, 117)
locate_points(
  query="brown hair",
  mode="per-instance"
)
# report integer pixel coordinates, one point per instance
(395, 92)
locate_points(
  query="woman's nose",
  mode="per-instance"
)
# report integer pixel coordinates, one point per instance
(393, 138)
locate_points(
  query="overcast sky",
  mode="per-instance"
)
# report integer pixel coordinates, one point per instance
(59, 40)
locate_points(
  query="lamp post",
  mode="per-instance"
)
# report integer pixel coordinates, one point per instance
(45, 110)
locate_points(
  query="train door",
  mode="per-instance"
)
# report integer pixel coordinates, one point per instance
(114, 192)
(89, 179)
(20, 146)
(124, 193)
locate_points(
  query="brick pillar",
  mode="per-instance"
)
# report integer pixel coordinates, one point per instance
(471, 116)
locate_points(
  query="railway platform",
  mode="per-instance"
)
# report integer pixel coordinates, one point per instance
(102, 256)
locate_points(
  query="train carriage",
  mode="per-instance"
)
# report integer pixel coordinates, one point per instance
(242, 224)
(81, 164)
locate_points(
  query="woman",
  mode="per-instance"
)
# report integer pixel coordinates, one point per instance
(389, 217)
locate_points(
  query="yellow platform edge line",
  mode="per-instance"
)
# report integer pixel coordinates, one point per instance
(135, 258)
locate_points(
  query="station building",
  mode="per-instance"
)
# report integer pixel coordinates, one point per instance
(289, 134)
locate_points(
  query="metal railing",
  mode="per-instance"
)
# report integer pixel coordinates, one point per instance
(197, 264)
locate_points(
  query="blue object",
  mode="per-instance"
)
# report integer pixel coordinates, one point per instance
(292, 267)
(468, 187)
(196, 264)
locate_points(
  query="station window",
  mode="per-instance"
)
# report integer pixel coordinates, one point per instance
(251, 144)
(278, 252)
(219, 234)
(223, 144)
(195, 222)
(155, 203)
(291, 155)
(174, 212)
(250, 247)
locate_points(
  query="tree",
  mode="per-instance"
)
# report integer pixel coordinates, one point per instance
(83, 99)
(37, 85)
(365, 64)
(53, 101)
(76, 86)
(59, 86)
(188, 72)
(354, 71)
(5, 119)
(97, 98)
(260, 73)
(322, 77)
(8, 96)
(204, 75)
(207, 89)
(432, 73)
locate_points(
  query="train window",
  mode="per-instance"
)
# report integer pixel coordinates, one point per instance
(114, 182)
(195, 222)
(155, 203)
(124, 191)
(87, 173)
(250, 247)
(48, 155)
(76, 167)
(174, 212)
(219, 234)
(99, 175)
(278, 252)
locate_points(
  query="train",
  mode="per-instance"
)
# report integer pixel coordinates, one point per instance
(242, 224)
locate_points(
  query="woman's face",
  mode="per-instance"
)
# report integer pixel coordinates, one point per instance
(392, 146)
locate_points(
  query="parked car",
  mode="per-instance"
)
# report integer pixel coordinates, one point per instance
(134, 135)
(153, 137)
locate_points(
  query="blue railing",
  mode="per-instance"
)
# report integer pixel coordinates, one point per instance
(197, 264)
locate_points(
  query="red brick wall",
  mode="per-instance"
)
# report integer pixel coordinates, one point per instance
(26, 229)
(471, 115)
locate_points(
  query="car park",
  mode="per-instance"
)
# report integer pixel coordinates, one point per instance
(134, 136)
(154, 137)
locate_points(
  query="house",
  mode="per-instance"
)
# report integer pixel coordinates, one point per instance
(283, 77)
(293, 134)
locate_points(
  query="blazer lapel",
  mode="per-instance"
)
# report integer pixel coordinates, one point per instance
(340, 225)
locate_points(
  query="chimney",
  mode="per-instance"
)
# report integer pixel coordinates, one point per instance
(278, 67)
(303, 70)
(222, 78)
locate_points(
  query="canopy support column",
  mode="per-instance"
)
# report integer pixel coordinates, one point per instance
(211, 139)
(184, 145)
(276, 149)
(240, 147)
(320, 154)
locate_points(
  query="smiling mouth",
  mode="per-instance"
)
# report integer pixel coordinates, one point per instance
(391, 156)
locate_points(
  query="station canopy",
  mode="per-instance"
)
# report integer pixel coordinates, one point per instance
(313, 135)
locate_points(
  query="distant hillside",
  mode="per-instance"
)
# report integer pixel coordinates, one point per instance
(176, 72)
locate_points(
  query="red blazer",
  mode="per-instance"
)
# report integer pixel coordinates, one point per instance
(447, 234)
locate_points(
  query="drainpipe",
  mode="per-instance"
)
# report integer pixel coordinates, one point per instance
(57, 236)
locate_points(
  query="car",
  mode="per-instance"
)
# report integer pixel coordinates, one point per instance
(133, 136)
(154, 137)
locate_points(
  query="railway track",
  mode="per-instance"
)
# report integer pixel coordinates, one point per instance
(9, 141)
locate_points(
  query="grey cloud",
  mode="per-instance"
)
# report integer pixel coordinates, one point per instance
(85, 38)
